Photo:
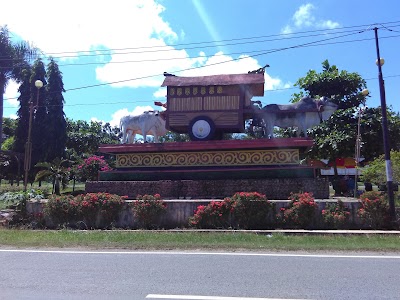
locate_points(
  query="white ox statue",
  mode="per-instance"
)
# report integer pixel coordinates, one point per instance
(303, 114)
(149, 122)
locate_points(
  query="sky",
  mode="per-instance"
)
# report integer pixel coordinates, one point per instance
(113, 54)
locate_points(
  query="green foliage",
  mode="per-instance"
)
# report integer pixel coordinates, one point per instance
(375, 171)
(57, 170)
(148, 209)
(374, 210)
(39, 124)
(21, 133)
(300, 212)
(252, 210)
(217, 214)
(56, 133)
(336, 215)
(18, 198)
(14, 58)
(84, 139)
(344, 87)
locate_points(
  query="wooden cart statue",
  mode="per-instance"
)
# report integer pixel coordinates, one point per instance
(206, 107)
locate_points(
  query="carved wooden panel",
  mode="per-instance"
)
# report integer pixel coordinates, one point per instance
(209, 158)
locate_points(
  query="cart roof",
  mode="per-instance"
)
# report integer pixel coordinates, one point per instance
(254, 79)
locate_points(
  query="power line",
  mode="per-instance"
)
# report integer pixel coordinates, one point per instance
(216, 55)
(308, 44)
(286, 36)
(146, 101)
(218, 43)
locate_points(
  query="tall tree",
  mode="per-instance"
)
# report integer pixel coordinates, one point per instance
(334, 138)
(343, 87)
(56, 134)
(21, 133)
(39, 126)
(14, 58)
(84, 138)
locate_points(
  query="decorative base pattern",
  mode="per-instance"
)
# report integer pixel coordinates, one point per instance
(209, 158)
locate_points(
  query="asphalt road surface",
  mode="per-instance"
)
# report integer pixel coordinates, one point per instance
(69, 274)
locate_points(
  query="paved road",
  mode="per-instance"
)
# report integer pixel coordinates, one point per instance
(158, 275)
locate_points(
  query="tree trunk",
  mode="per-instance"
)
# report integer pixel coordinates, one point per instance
(57, 187)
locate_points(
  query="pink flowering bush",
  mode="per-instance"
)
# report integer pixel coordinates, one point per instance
(252, 210)
(300, 212)
(336, 215)
(91, 166)
(93, 209)
(61, 209)
(248, 210)
(104, 206)
(374, 210)
(148, 209)
(217, 214)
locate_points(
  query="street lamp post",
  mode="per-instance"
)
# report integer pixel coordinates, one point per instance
(357, 154)
(389, 173)
(28, 145)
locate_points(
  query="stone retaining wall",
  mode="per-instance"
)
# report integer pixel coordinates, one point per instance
(213, 189)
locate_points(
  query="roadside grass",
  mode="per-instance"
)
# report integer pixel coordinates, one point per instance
(163, 240)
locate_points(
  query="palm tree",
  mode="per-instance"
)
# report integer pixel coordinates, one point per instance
(57, 171)
(14, 57)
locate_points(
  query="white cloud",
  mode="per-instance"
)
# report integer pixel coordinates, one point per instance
(304, 18)
(12, 93)
(161, 93)
(328, 24)
(83, 24)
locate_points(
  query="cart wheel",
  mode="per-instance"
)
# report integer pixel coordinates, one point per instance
(201, 129)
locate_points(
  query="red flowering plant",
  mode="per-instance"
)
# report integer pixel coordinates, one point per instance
(91, 166)
(93, 209)
(61, 209)
(99, 209)
(148, 209)
(336, 215)
(217, 214)
(252, 210)
(300, 212)
(374, 210)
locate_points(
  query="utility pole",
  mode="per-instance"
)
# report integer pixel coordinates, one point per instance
(386, 144)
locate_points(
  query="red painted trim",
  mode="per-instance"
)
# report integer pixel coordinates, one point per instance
(209, 145)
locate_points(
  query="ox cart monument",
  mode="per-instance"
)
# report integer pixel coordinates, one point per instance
(208, 167)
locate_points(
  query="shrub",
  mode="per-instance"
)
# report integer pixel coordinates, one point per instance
(91, 166)
(336, 215)
(148, 209)
(252, 210)
(104, 206)
(18, 198)
(217, 214)
(61, 209)
(94, 209)
(374, 210)
(300, 212)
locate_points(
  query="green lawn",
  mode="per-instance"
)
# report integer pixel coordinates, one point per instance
(192, 240)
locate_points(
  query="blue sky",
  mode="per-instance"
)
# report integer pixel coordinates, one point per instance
(113, 54)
